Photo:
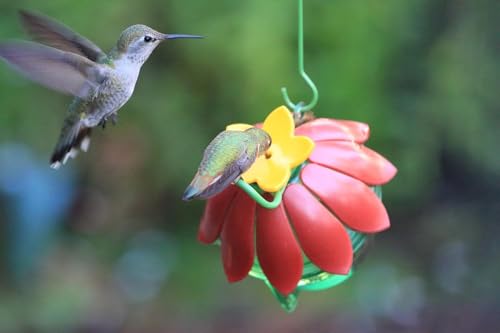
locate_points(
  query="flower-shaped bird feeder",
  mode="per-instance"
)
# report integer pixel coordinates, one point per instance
(300, 216)
(329, 183)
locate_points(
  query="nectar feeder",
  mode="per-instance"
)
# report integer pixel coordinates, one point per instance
(301, 216)
(307, 233)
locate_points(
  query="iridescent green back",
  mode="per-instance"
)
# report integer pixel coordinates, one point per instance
(224, 150)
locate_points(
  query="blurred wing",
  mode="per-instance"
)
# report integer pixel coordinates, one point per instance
(62, 71)
(55, 34)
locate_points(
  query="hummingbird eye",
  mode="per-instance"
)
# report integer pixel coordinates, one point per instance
(148, 39)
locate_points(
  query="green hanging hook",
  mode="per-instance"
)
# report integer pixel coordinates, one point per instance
(310, 83)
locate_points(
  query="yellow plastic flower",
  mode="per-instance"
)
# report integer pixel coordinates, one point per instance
(271, 171)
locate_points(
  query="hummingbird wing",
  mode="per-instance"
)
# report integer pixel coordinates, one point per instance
(204, 187)
(55, 34)
(62, 71)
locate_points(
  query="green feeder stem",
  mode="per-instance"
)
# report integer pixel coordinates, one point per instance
(255, 195)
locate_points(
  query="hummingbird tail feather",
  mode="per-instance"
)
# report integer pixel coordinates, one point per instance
(70, 143)
(190, 193)
(205, 187)
(198, 187)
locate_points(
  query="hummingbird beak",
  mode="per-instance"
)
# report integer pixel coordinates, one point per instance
(176, 36)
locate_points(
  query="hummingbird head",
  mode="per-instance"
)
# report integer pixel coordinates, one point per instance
(137, 42)
(262, 138)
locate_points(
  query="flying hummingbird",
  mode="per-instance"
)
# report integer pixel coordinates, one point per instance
(68, 62)
(229, 155)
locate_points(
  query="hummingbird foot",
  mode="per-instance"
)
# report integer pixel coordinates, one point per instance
(112, 117)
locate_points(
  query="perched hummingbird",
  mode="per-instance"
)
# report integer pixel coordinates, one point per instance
(101, 83)
(229, 155)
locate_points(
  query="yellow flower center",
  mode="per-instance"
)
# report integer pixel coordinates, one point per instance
(271, 171)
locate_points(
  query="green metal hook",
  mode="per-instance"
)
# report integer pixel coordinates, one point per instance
(302, 72)
(259, 198)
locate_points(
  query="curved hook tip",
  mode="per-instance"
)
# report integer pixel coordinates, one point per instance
(288, 102)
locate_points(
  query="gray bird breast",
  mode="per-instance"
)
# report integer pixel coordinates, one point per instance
(111, 96)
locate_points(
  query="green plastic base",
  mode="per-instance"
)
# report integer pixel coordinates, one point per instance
(313, 278)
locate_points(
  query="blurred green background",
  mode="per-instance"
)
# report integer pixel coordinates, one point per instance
(106, 244)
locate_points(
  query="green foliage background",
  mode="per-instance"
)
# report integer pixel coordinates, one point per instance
(425, 74)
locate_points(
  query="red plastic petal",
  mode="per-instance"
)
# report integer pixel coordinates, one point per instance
(355, 160)
(354, 203)
(323, 238)
(323, 129)
(237, 238)
(279, 253)
(214, 215)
